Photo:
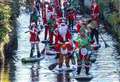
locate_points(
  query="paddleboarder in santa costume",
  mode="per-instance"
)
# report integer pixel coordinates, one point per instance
(63, 36)
(34, 39)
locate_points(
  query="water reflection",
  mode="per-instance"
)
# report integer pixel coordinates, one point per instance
(64, 77)
(35, 72)
(4, 74)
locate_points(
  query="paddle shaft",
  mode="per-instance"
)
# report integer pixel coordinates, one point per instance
(106, 45)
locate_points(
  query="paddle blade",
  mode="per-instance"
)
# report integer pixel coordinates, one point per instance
(45, 41)
(106, 45)
(73, 60)
(52, 66)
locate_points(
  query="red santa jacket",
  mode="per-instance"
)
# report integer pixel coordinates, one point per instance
(69, 46)
(95, 9)
(67, 37)
(59, 13)
(34, 38)
(71, 15)
(78, 26)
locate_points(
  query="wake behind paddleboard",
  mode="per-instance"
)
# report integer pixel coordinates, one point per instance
(31, 59)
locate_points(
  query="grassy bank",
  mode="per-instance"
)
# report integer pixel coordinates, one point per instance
(111, 12)
(5, 26)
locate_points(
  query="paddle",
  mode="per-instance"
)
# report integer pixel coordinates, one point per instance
(52, 66)
(45, 41)
(106, 45)
(72, 58)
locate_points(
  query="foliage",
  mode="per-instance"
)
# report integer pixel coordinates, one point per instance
(5, 14)
(103, 6)
(114, 18)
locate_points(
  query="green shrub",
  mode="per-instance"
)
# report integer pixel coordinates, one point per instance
(5, 14)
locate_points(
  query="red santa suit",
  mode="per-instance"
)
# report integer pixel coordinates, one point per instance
(69, 46)
(34, 38)
(58, 22)
(44, 13)
(59, 13)
(57, 3)
(78, 26)
(48, 17)
(71, 15)
(95, 11)
(63, 34)
(49, 12)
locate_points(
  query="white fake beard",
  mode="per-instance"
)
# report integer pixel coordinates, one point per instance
(63, 31)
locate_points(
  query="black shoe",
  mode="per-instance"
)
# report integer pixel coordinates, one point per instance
(31, 54)
(78, 70)
(87, 70)
(56, 57)
(67, 65)
(38, 54)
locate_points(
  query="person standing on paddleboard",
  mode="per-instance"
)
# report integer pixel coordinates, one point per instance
(33, 16)
(95, 11)
(34, 39)
(63, 36)
(82, 46)
(93, 26)
(71, 15)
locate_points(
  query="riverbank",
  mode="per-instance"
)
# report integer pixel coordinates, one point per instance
(8, 34)
(5, 27)
(111, 13)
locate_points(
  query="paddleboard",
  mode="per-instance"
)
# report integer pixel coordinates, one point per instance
(32, 59)
(82, 77)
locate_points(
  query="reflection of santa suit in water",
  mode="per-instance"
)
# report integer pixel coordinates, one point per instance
(95, 11)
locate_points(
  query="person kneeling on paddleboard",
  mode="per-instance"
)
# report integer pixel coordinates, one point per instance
(82, 46)
(34, 39)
